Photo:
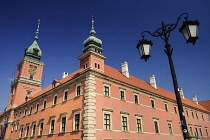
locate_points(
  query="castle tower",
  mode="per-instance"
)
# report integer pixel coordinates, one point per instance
(28, 77)
(92, 57)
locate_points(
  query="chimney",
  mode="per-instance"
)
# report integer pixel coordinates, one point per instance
(195, 100)
(125, 69)
(181, 93)
(152, 81)
(64, 75)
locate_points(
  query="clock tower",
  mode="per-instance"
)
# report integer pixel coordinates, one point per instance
(27, 81)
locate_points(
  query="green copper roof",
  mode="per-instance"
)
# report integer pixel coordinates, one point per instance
(34, 52)
(92, 42)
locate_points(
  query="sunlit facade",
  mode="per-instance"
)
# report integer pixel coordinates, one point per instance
(96, 102)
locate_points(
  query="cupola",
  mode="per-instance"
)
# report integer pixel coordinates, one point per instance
(34, 52)
(92, 42)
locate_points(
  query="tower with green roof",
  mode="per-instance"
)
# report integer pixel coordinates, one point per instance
(27, 81)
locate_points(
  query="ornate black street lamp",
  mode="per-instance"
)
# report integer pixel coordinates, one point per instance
(190, 31)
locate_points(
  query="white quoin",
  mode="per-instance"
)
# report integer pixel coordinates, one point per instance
(181, 93)
(153, 81)
(125, 71)
(195, 100)
(64, 75)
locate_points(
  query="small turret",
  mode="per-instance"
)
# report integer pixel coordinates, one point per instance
(34, 52)
(92, 42)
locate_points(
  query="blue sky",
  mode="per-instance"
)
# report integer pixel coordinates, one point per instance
(65, 24)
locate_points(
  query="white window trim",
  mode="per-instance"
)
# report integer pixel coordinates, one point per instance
(54, 99)
(176, 112)
(25, 112)
(36, 107)
(124, 90)
(166, 106)
(136, 94)
(200, 131)
(124, 114)
(41, 121)
(202, 117)
(43, 104)
(62, 115)
(139, 117)
(109, 86)
(107, 111)
(206, 130)
(17, 124)
(21, 131)
(192, 113)
(27, 131)
(32, 130)
(52, 118)
(170, 122)
(187, 112)
(152, 99)
(30, 110)
(66, 90)
(75, 112)
(78, 84)
(156, 120)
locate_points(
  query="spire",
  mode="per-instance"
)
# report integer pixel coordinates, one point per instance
(92, 43)
(37, 31)
(34, 52)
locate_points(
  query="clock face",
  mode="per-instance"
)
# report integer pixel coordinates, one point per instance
(32, 69)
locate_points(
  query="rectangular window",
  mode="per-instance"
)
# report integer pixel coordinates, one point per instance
(192, 114)
(122, 95)
(196, 131)
(21, 131)
(156, 126)
(41, 127)
(52, 125)
(44, 104)
(33, 129)
(106, 90)
(201, 133)
(153, 103)
(207, 133)
(175, 110)
(17, 124)
(139, 124)
(166, 106)
(191, 131)
(30, 110)
(25, 111)
(202, 116)
(76, 121)
(196, 115)
(63, 123)
(37, 107)
(124, 123)
(187, 112)
(27, 130)
(65, 95)
(55, 100)
(78, 90)
(136, 100)
(170, 128)
(107, 121)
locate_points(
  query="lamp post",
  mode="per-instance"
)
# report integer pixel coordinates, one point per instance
(190, 31)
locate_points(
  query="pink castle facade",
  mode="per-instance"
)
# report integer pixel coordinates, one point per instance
(96, 102)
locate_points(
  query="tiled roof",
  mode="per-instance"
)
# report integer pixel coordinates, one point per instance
(205, 104)
(73, 75)
(116, 74)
